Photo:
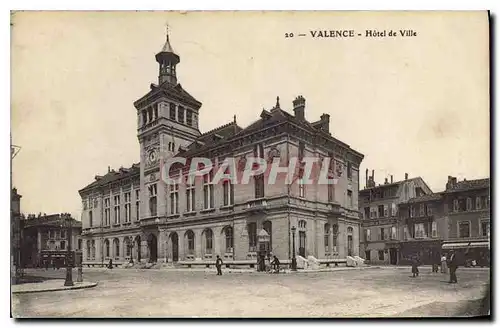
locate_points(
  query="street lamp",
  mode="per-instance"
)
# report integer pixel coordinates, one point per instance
(69, 273)
(294, 260)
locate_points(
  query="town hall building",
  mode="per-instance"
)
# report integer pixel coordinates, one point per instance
(131, 214)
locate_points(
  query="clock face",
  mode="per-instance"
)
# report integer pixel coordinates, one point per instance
(152, 156)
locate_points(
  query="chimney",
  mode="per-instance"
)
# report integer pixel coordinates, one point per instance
(391, 179)
(386, 182)
(406, 176)
(109, 169)
(325, 122)
(373, 177)
(299, 105)
(366, 184)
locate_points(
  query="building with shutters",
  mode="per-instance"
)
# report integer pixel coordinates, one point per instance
(381, 225)
(132, 214)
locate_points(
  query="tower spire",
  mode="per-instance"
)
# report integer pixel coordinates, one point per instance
(168, 60)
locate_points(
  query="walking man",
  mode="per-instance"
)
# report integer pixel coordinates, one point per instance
(453, 264)
(218, 265)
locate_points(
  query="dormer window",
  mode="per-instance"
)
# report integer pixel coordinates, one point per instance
(172, 111)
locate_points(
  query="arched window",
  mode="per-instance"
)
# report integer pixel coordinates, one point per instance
(88, 250)
(335, 230)
(79, 244)
(126, 245)
(208, 241)
(327, 237)
(93, 249)
(190, 242)
(229, 239)
(350, 230)
(268, 227)
(116, 247)
(106, 248)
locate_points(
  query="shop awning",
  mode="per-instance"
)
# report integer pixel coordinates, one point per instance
(474, 244)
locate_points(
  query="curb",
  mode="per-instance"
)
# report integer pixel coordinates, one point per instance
(55, 289)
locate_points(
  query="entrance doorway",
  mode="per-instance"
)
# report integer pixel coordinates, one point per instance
(302, 243)
(153, 248)
(349, 245)
(174, 239)
(393, 256)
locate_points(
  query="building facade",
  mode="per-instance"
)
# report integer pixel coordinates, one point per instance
(382, 229)
(45, 239)
(132, 214)
(428, 225)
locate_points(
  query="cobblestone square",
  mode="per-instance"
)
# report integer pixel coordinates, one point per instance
(370, 292)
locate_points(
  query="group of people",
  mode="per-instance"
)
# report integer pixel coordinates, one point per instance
(273, 267)
(450, 262)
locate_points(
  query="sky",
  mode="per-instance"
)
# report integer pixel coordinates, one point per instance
(416, 105)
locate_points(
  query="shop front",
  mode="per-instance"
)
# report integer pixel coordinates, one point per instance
(469, 252)
(428, 251)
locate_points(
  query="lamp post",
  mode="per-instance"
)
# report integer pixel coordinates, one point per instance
(294, 260)
(69, 272)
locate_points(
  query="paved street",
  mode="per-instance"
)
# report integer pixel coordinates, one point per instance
(353, 293)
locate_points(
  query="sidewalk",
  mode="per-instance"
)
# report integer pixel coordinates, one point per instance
(49, 286)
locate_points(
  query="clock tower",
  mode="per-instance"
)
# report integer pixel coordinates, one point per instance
(167, 119)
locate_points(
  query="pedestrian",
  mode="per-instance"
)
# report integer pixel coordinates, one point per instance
(218, 265)
(110, 264)
(444, 266)
(414, 267)
(276, 264)
(453, 264)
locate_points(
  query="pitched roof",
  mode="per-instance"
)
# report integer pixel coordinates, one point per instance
(171, 91)
(210, 138)
(167, 47)
(469, 185)
(425, 198)
(113, 176)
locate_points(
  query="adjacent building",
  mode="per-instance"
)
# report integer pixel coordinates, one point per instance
(45, 239)
(382, 229)
(428, 225)
(131, 214)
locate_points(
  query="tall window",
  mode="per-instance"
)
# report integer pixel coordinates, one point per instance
(331, 192)
(128, 212)
(189, 117)
(174, 198)
(434, 229)
(381, 211)
(93, 249)
(412, 211)
(90, 219)
(327, 237)
(137, 203)
(394, 209)
(349, 198)
(117, 209)
(228, 193)
(464, 229)
(126, 244)
(190, 195)
(349, 171)
(208, 241)
(63, 245)
(190, 242)
(268, 227)
(335, 230)
(302, 192)
(116, 244)
(172, 111)
(144, 117)
(156, 110)
(455, 205)
(107, 216)
(259, 186)
(382, 234)
(252, 237)
(302, 148)
(485, 228)
(393, 233)
(79, 244)
(152, 199)
(420, 230)
(208, 191)
(180, 114)
(368, 236)
(429, 210)
(478, 203)
(469, 204)
(88, 250)
(422, 210)
(229, 239)
(106, 247)
(405, 232)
